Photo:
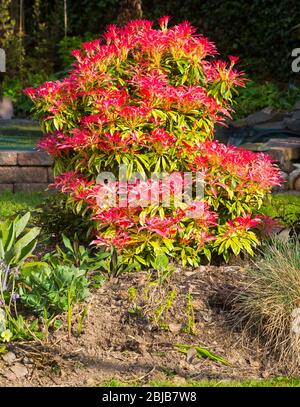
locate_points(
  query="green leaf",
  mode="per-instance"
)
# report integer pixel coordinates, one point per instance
(9, 236)
(2, 254)
(67, 243)
(161, 262)
(22, 223)
(25, 252)
(26, 239)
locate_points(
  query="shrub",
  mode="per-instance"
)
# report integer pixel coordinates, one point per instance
(149, 99)
(268, 306)
(54, 216)
(256, 96)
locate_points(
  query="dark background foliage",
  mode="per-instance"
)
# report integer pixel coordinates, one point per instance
(262, 32)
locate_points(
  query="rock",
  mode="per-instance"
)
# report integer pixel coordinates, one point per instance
(23, 175)
(191, 355)
(189, 273)
(90, 381)
(294, 179)
(284, 151)
(274, 125)
(6, 108)
(34, 158)
(297, 105)
(19, 370)
(285, 184)
(9, 358)
(239, 123)
(27, 361)
(50, 175)
(30, 187)
(6, 187)
(8, 158)
(295, 115)
(174, 328)
(265, 115)
(293, 124)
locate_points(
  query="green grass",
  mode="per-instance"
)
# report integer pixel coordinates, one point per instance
(11, 203)
(19, 135)
(275, 382)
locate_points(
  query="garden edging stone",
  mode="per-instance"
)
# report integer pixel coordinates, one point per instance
(25, 171)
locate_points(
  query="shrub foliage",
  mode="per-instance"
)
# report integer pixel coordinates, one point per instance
(149, 99)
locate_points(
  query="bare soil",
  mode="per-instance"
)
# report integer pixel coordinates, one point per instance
(121, 339)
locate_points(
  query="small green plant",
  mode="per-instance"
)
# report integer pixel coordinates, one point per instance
(81, 319)
(132, 293)
(21, 329)
(53, 215)
(114, 265)
(190, 327)
(54, 289)
(70, 311)
(73, 253)
(202, 352)
(17, 244)
(162, 311)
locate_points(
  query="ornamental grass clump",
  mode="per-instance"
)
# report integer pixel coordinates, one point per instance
(141, 101)
(268, 305)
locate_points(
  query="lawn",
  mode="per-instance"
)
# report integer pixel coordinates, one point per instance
(275, 382)
(19, 134)
(11, 203)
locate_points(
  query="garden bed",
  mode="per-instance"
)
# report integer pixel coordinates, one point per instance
(118, 344)
(121, 343)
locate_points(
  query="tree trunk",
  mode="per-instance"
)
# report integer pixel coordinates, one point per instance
(65, 17)
(21, 18)
(130, 10)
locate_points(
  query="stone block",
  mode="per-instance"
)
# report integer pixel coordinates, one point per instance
(8, 175)
(282, 154)
(6, 187)
(8, 158)
(30, 187)
(50, 175)
(34, 158)
(262, 116)
(32, 175)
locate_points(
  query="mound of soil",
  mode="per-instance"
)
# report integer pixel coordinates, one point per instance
(121, 341)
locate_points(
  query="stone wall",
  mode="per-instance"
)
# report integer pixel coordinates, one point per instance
(25, 171)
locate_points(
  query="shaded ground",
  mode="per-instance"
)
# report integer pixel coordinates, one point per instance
(119, 342)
